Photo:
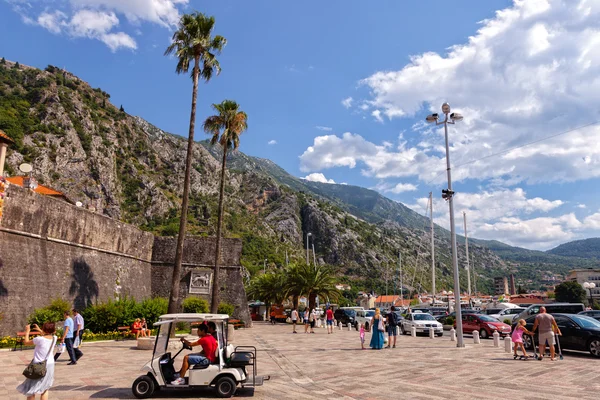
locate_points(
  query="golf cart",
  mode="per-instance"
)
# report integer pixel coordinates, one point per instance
(229, 370)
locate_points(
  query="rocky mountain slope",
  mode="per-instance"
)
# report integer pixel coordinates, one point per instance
(587, 248)
(126, 168)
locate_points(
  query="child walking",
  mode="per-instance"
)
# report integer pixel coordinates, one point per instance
(517, 338)
(362, 336)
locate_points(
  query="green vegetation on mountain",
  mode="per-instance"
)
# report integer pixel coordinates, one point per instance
(587, 248)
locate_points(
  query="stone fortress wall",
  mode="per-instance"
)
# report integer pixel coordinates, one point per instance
(52, 249)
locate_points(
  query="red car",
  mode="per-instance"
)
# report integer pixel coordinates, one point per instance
(485, 324)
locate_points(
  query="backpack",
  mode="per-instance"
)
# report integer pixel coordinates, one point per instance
(392, 319)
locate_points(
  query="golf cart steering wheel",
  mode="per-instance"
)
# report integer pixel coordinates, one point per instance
(186, 346)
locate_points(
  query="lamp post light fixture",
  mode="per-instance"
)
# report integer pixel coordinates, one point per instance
(448, 194)
(590, 286)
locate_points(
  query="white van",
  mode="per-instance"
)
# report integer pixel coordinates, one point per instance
(555, 308)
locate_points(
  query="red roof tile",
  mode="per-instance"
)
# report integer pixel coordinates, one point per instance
(5, 138)
(41, 189)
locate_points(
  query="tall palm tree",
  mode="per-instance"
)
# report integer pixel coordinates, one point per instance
(313, 281)
(193, 41)
(225, 127)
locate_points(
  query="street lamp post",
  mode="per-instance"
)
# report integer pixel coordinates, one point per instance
(589, 286)
(448, 194)
(308, 235)
(265, 266)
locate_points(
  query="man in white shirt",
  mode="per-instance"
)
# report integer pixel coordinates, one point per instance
(294, 318)
(78, 322)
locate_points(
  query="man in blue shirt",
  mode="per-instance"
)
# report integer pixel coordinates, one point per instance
(67, 339)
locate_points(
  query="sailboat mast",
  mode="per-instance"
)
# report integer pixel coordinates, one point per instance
(432, 248)
(467, 249)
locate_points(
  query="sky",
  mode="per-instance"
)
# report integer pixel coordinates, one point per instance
(338, 92)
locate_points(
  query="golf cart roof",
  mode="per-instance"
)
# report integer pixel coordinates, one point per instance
(193, 317)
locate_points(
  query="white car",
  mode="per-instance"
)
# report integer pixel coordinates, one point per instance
(423, 323)
(507, 313)
(365, 317)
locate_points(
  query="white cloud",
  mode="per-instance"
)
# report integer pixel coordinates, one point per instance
(398, 188)
(347, 102)
(96, 19)
(162, 12)
(531, 71)
(377, 115)
(54, 22)
(581, 206)
(272, 142)
(324, 128)
(318, 177)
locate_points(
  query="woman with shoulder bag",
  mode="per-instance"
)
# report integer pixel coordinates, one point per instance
(40, 372)
(377, 329)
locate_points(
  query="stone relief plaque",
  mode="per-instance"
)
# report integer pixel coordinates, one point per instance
(200, 282)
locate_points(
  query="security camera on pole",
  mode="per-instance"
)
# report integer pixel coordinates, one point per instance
(448, 194)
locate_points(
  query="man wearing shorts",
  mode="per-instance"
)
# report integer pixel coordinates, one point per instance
(329, 315)
(547, 325)
(205, 357)
(294, 319)
(392, 323)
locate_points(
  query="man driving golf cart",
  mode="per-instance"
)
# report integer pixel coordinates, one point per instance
(219, 365)
(205, 357)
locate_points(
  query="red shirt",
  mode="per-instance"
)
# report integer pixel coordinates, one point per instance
(329, 314)
(209, 347)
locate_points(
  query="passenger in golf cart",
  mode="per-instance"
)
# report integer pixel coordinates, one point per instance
(205, 357)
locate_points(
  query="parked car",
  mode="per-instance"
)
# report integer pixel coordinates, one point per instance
(437, 311)
(485, 324)
(365, 317)
(442, 318)
(591, 313)
(579, 332)
(423, 323)
(554, 308)
(421, 310)
(347, 316)
(507, 313)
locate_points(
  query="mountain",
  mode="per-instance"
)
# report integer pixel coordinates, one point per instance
(126, 168)
(587, 248)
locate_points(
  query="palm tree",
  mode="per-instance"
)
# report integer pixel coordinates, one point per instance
(312, 281)
(225, 128)
(192, 41)
(270, 288)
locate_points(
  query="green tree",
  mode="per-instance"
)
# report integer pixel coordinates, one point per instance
(3, 61)
(570, 292)
(17, 65)
(225, 128)
(313, 281)
(192, 41)
(271, 288)
(122, 109)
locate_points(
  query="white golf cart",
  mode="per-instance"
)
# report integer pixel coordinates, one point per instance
(229, 371)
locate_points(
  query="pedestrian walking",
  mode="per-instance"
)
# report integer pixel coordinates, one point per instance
(329, 317)
(517, 337)
(67, 340)
(547, 325)
(272, 315)
(78, 336)
(294, 319)
(44, 344)
(305, 314)
(362, 336)
(311, 320)
(392, 324)
(377, 330)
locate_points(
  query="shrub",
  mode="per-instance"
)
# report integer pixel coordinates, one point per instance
(226, 308)
(51, 313)
(507, 321)
(450, 320)
(195, 305)
(153, 308)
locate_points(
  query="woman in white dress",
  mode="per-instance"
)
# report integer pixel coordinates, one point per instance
(44, 344)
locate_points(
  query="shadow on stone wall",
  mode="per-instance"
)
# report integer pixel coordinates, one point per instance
(3, 289)
(83, 286)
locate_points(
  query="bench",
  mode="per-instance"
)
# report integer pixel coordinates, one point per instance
(237, 323)
(123, 332)
(20, 339)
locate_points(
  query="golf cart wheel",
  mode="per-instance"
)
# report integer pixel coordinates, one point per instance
(594, 347)
(484, 334)
(143, 387)
(225, 387)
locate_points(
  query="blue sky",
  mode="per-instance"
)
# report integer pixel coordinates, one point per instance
(343, 88)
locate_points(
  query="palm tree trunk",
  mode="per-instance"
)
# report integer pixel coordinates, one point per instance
(175, 282)
(214, 304)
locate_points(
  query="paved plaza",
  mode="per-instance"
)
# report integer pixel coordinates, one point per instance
(322, 366)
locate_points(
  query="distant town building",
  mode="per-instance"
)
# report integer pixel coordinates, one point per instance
(501, 285)
(586, 275)
(41, 189)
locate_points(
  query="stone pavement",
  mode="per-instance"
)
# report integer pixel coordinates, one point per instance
(322, 366)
